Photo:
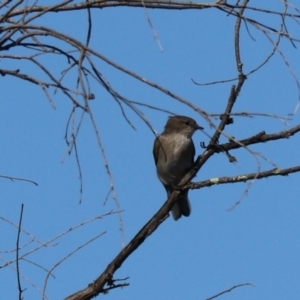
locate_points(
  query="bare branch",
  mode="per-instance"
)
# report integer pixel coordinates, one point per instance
(229, 290)
(19, 179)
(242, 178)
(17, 254)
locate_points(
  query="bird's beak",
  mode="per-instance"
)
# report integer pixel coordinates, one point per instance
(198, 127)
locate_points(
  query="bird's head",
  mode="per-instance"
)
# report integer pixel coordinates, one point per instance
(182, 124)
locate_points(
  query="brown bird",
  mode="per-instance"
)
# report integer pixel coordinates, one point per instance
(174, 153)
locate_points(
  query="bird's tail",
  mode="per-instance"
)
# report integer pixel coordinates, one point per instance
(182, 207)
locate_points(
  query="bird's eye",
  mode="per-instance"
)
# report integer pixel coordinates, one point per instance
(187, 122)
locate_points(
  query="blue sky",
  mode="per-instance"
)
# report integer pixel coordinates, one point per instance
(212, 250)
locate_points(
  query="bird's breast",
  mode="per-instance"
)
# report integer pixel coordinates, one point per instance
(176, 158)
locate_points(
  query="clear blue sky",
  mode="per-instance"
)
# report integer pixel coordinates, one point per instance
(258, 242)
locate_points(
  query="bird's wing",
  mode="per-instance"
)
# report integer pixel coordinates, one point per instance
(156, 149)
(194, 151)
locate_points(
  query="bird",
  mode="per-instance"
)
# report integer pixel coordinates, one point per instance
(174, 152)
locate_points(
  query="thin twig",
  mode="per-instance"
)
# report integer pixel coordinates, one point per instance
(19, 179)
(66, 257)
(17, 253)
(229, 290)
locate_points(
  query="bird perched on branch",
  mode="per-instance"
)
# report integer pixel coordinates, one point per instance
(174, 153)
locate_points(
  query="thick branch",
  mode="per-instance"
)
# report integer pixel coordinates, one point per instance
(98, 286)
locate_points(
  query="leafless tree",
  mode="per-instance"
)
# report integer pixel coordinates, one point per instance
(22, 39)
